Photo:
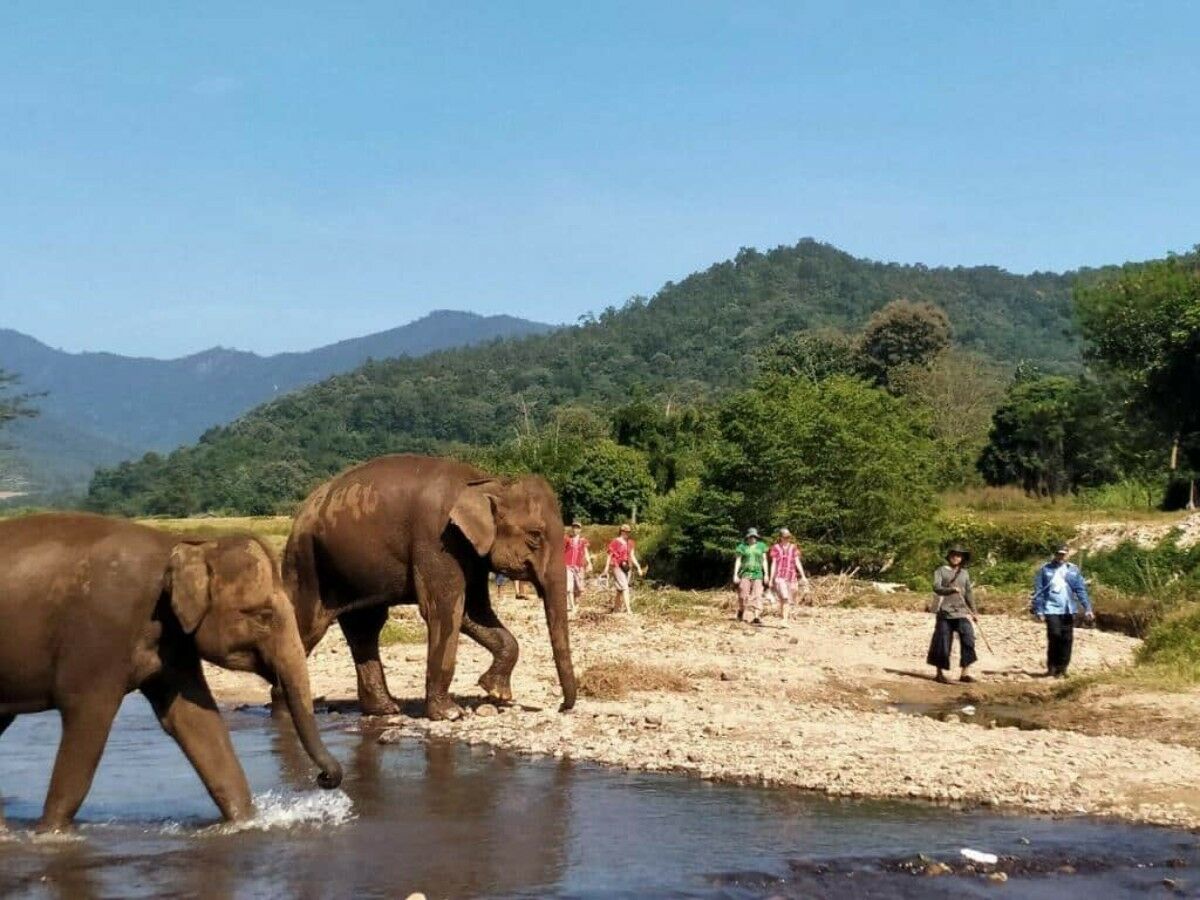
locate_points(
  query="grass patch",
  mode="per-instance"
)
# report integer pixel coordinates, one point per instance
(272, 529)
(674, 604)
(402, 631)
(1173, 646)
(616, 679)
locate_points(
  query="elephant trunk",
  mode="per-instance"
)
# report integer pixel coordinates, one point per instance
(554, 597)
(293, 680)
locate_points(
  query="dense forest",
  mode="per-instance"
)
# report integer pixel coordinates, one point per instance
(691, 343)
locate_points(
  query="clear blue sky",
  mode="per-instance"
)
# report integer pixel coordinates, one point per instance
(277, 176)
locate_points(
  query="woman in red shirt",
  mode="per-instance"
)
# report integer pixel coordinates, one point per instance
(621, 559)
(578, 562)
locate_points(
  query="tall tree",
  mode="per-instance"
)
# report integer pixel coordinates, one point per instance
(12, 405)
(904, 333)
(1051, 435)
(1143, 326)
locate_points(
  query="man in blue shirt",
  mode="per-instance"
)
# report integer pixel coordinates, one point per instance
(1059, 592)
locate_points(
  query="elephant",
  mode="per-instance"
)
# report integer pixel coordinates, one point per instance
(407, 529)
(93, 608)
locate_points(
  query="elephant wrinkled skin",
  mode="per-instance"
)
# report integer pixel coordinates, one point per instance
(417, 529)
(92, 608)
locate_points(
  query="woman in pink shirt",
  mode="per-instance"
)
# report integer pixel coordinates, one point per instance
(786, 570)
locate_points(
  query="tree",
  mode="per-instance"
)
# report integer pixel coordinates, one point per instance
(847, 467)
(1051, 435)
(669, 433)
(904, 333)
(608, 483)
(1143, 326)
(960, 391)
(13, 406)
(813, 355)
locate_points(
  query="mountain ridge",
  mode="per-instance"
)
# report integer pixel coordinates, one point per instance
(693, 339)
(121, 406)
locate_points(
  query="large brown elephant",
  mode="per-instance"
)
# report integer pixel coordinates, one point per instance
(92, 608)
(417, 529)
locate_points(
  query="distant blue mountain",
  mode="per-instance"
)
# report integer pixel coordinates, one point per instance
(101, 408)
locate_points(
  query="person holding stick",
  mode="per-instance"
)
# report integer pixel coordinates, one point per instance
(1059, 592)
(954, 609)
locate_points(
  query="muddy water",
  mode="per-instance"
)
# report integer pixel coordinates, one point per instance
(454, 821)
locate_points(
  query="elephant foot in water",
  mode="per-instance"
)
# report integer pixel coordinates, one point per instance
(378, 706)
(498, 686)
(443, 709)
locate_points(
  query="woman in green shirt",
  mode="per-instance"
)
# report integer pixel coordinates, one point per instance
(749, 573)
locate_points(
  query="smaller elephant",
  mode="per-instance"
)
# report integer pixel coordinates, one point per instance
(427, 531)
(92, 608)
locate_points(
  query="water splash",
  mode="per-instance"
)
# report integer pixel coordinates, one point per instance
(281, 810)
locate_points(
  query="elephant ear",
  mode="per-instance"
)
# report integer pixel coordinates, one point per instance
(474, 514)
(190, 599)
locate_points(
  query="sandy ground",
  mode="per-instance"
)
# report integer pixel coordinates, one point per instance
(830, 704)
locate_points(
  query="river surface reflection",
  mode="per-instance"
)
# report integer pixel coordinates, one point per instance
(457, 821)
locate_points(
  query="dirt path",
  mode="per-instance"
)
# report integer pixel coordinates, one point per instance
(815, 706)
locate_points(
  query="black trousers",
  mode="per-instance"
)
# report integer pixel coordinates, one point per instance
(1060, 638)
(943, 639)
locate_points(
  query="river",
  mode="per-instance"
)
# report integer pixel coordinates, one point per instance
(458, 821)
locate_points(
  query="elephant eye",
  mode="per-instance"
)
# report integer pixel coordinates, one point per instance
(264, 616)
(534, 539)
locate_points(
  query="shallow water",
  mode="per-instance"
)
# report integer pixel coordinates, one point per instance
(456, 821)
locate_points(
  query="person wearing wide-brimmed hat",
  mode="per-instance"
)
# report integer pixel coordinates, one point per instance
(954, 608)
(1059, 592)
(749, 575)
(786, 571)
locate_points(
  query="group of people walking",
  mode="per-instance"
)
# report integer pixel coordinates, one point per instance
(620, 561)
(758, 569)
(1059, 594)
(761, 571)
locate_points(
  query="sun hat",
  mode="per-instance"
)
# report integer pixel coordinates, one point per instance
(751, 532)
(961, 551)
(1062, 550)
(626, 527)
(783, 532)
(575, 523)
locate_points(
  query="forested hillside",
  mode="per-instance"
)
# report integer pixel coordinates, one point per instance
(100, 408)
(691, 340)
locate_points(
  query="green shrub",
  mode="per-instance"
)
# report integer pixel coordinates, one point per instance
(1140, 570)
(1174, 644)
(1122, 496)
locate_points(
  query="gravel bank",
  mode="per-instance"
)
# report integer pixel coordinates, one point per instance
(810, 706)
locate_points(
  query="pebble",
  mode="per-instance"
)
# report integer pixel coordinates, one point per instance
(486, 709)
(998, 877)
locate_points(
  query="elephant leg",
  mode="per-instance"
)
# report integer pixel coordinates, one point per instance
(86, 722)
(444, 616)
(187, 712)
(5, 721)
(481, 625)
(362, 628)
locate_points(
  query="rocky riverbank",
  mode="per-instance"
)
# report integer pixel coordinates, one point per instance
(840, 702)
